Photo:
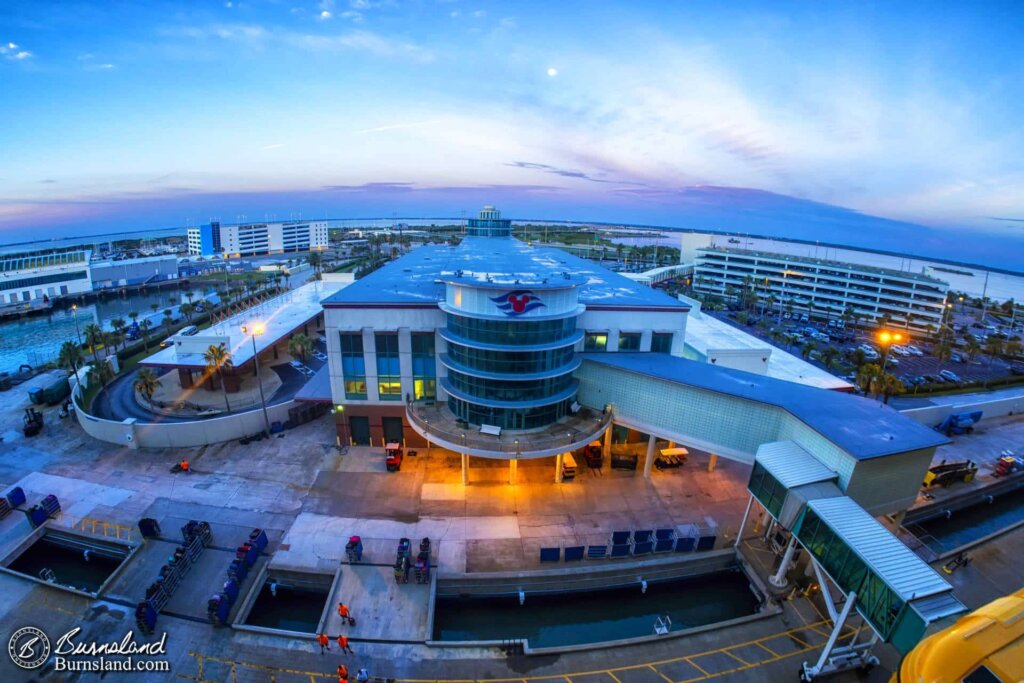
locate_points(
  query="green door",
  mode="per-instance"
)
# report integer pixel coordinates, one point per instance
(360, 427)
(392, 429)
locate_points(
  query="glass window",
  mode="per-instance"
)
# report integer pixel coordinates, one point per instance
(424, 367)
(510, 362)
(353, 365)
(629, 341)
(389, 373)
(511, 332)
(661, 342)
(508, 390)
(982, 675)
(595, 342)
(509, 418)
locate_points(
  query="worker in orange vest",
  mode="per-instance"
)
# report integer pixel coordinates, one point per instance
(343, 644)
(344, 613)
(184, 466)
(324, 641)
(342, 673)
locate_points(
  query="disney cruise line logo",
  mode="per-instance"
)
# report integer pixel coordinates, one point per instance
(518, 302)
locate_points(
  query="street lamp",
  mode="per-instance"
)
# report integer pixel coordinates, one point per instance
(254, 331)
(74, 309)
(344, 424)
(887, 339)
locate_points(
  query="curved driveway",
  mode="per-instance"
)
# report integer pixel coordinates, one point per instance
(117, 401)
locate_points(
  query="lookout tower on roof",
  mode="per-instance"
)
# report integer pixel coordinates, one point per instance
(489, 224)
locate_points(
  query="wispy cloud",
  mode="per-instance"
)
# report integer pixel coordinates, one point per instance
(276, 145)
(13, 52)
(395, 126)
(259, 37)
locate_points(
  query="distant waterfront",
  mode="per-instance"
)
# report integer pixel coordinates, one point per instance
(36, 340)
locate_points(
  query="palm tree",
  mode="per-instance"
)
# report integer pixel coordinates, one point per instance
(172, 300)
(315, 259)
(70, 356)
(1012, 348)
(119, 325)
(942, 351)
(889, 386)
(110, 341)
(973, 347)
(218, 359)
(189, 294)
(868, 377)
(93, 337)
(829, 356)
(806, 349)
(993, 347)
(144, 327)
(300, 346)
(103, 372)
(154, 306)
(168, 319)
(146, 383)
(858, 358)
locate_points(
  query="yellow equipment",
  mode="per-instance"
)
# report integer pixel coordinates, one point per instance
(985, 645)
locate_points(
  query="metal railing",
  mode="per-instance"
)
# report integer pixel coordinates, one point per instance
(436, 424)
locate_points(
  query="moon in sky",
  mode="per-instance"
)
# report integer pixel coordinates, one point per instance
(552, 71)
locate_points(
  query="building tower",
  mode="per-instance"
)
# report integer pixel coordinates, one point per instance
(510, 336)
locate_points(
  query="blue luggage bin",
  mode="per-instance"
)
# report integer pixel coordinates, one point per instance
(258, 538)
(16, 497)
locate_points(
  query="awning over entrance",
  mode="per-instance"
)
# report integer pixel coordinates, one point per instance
(318, 388)
(897, 592)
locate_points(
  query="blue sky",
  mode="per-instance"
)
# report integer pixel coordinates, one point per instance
(738, 116)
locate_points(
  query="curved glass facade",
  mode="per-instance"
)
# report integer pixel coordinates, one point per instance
(512, 332)
(510, 362)
(509, 418)
(507, 390)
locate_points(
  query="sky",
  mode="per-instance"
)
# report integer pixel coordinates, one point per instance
(896, 125)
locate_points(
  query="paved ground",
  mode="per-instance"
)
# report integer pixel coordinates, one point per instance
(309, 499)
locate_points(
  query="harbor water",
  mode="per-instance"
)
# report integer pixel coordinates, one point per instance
(575, 618)
(68, 564)
(36, 340)
(292, 609)
(970, 524)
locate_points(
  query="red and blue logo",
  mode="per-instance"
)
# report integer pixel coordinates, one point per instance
(518, 302)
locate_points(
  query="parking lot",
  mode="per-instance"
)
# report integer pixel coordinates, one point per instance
(919, 372)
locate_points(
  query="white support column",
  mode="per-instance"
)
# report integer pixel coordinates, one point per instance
(836, 630)
(779, 578)
(649, 462)
(826, 593)
(558, 468)
(513, 470)
(465, 469)
(743, 523)
(606, 448)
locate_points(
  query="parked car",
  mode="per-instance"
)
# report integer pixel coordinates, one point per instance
(893, 361)
(1017, 370)
(956, 357)
(914, 351)
(900, 350)
(950, 376)
(933, 379)
(804, 318)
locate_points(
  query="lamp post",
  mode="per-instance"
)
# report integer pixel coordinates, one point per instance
(253, 331)
(74, 309)
(887, 339)
(344, 424)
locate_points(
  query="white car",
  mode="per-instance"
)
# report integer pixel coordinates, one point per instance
(900, 350)
(914, 351)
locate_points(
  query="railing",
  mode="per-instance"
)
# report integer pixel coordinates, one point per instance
(96, 526)
(444, 429)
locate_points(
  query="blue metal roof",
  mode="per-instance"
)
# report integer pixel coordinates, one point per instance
(419, 277)
(862, 427)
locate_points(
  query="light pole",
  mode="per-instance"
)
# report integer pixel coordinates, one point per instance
(253, 332)
(74, 309)
(887, 339)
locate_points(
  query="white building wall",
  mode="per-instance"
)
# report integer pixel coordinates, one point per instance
(645, 322)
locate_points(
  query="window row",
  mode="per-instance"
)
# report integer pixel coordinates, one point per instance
(508, 418)
(596, 342)
(511, 332)
(510, 362)
(506, 390)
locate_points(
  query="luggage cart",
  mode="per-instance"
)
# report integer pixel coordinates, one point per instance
(354, 549)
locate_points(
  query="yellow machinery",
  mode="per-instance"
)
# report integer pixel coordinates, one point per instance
(986, 645)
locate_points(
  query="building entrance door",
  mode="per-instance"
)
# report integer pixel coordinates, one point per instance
(360, 427)
(392, 429)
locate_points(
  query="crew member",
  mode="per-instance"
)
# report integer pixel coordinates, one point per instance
(324, 641)
(343, 644)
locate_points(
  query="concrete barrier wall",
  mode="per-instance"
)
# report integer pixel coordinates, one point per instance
(933, 415)
(180, 434)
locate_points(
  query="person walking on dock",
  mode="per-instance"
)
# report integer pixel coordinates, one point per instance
(343, 644)
(324, 641)
(345, 615)
(342, 673)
